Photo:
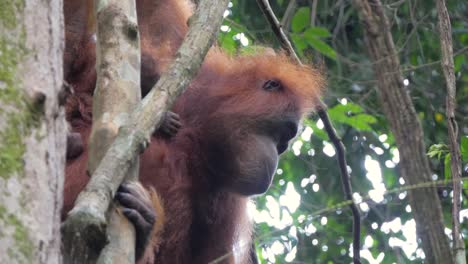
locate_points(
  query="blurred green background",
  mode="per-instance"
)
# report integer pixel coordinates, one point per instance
(300, 220)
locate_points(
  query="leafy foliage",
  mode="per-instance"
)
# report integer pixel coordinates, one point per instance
(300, 218)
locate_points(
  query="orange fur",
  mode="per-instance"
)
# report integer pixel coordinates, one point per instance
(157, 203)
(221, 111)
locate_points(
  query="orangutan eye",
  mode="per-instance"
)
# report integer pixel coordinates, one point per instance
(272, 85)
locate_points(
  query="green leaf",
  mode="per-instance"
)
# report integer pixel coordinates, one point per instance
(447, 172)
(227, 42)
(352, 115)
(320, 46)
(301, 19)
(414, 59)
(464, 148)
(320, 133)
(299, 43)
(361, 122)
(347, 108)
(437, 150)
(320, 32)
(458, 62)
(432, 153)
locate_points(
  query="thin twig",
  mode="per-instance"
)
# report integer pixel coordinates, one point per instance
(367, 198)
(277, 29)
(313, 12)
(445, 32)
(429, 64)
(289, 13)
(340, 149)
(345, 180)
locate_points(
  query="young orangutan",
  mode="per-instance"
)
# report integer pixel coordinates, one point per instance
(238, 115)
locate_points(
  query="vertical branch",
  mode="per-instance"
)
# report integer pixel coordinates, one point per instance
(117, 91)
(289, 14)
(313, 12)
(339, 147)
(445, 31)
(345, 180)
(277, 28)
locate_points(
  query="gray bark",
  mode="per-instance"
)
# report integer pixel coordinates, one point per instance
(405, 125)
(32, 131)
(117, 92)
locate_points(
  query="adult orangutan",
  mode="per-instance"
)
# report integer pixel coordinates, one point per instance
(237, 117)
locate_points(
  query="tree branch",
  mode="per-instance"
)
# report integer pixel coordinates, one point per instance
(445, 31)
(345, 180)
(277, 28)
(289, 13)
(87, 218)
(321, 111)
(313, 12)
(117, 92)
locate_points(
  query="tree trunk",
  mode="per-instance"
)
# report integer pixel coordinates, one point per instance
(405, 125)
(32, 131)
